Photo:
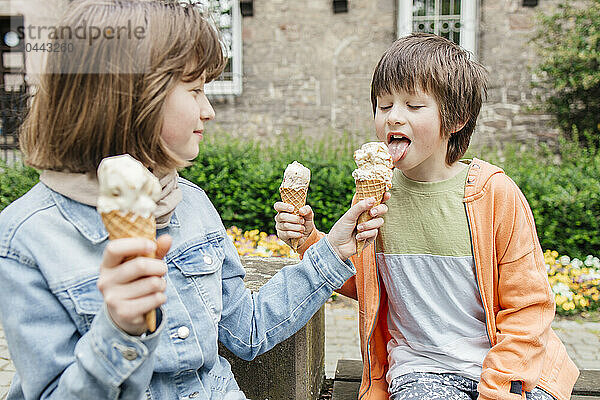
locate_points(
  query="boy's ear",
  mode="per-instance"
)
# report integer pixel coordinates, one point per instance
(458, 126)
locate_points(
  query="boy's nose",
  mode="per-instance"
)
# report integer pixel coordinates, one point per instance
(395, 117)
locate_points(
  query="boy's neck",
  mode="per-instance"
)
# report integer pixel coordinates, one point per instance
(440, 174)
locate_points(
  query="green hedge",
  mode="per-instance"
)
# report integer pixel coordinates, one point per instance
(568, 43)
(15, 181)
(242, 180)
(563, 190)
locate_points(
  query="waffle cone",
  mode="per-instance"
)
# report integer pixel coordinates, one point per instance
(364, 189)
(297, 198)
(127, 225)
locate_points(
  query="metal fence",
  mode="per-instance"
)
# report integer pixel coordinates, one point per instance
(13, 107)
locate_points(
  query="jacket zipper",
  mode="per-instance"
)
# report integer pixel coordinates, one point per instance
(485, 311)
(372, 329)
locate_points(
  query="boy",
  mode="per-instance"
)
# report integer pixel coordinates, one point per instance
(454, 299)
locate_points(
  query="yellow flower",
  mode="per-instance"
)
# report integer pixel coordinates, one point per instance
(560, 299)
(554, 253)
(568, 306)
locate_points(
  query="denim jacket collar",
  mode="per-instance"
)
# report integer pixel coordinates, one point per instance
(87, 220)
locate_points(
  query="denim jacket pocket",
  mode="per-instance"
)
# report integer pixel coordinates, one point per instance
(87, 301)
(200, 266)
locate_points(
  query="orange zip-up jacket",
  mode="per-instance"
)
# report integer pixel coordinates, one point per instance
(513, 284)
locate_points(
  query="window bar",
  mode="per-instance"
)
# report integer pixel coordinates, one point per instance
(247, 8)
(530, 3)
(340, 6)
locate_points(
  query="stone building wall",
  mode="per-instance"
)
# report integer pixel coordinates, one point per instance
(505, 48)
(306, 68)
(38, 14)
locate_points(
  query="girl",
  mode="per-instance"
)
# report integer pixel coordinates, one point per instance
(71, 305)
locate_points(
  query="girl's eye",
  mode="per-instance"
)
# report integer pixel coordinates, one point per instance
(414, 107)
(385, 108)
(198, 91)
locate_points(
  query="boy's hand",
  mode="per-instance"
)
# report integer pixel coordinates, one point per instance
(133, 288)
(291, 226)
(342, 238)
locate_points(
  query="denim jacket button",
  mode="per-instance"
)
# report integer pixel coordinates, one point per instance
(129, 353)
(208, 260)
(183, 332)
(194, 395)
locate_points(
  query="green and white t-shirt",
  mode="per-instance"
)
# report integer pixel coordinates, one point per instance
(424, 258)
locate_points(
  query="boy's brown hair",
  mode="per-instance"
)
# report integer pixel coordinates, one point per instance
(443, 70)
(106, 97)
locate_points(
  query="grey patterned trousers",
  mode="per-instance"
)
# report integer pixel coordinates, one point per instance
(430, 386)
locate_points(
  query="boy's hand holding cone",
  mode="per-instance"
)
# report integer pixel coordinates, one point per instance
(373, 177)
(294, 189)
(128, 196)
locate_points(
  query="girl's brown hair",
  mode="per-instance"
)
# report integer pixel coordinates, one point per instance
(106, 97)
(443, 70)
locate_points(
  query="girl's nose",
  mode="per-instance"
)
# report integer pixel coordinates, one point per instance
(207, 112)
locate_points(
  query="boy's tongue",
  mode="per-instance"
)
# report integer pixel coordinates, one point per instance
(397, 149)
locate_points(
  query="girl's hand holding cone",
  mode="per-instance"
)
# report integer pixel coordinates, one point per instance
(131, 283)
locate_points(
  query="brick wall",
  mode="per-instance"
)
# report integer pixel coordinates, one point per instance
(37, 13)
(310, 69)
(307, 69)
(505, 49)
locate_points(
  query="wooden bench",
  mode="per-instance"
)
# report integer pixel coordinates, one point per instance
(348, 372)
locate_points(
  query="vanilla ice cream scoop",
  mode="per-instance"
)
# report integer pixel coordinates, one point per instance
(295, 176)
(127, 186)
(374, 163)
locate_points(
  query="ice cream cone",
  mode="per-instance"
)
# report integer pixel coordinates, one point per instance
(364, 189)
(297, 198)
(121, 225)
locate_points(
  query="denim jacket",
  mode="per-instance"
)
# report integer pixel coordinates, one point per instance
(64, 345)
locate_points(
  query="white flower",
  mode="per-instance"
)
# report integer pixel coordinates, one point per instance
(562, 289)
(576, 263)
(565, 260)
(596, 262)
(591, 276)
(264, 250)
(589, 260)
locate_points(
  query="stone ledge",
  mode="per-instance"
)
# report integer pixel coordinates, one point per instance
(292, 370)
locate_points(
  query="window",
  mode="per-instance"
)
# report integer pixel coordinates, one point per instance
(456, 20)
(227, 17)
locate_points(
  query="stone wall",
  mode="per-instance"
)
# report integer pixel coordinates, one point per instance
(38, 14)
(293, 369)
(506, 50)
(306, 68)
